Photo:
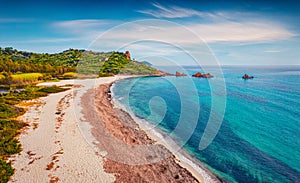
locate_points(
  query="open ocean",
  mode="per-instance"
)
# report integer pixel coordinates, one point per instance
(259, 137)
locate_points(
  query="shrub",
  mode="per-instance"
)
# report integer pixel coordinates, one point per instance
(6, 171)
(9, 111)
(52, 89)
(69, 75)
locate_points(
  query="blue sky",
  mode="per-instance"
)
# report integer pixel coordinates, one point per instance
(228, 33)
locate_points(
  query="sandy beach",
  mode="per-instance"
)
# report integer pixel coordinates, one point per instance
(79, 136)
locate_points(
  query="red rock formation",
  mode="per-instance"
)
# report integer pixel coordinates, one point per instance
(180, 74)
(246, 76)
(127, 55)
(208, 75)
(199, 75)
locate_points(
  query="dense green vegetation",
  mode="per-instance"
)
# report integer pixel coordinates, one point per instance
(6, 171)
(137, 68)
(117, 63)
(113, 64)
(91, 62)
(10, 128)
(14, 63)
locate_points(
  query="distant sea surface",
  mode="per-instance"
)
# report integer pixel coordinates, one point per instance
(259, 139)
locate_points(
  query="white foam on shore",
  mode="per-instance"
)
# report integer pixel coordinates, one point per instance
(163, 138)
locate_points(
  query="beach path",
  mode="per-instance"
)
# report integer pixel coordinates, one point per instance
(54, 149)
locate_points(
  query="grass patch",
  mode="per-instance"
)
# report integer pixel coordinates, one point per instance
(137, 68)
(26, 78)
(52, 89)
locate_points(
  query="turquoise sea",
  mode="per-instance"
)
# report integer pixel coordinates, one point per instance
(259, 136)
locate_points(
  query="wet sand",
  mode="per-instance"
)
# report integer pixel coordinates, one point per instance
(131, 154)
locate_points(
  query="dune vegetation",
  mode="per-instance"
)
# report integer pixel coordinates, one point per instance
(10, 127)
(26, 78)
(69, 75)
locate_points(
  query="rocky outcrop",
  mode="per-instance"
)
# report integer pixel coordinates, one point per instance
(180, 74)
(127, 55)
(246, 76)
(199, 75)
(162, 73)
(208, 75)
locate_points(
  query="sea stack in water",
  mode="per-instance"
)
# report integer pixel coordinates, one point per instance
(199, 75)
(246, 76)
(180, 74)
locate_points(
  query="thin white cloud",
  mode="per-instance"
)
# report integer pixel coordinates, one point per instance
(219, 32)
(273, 51)
(242, 32)
(173, 12)
(82, 23)
(188, 35)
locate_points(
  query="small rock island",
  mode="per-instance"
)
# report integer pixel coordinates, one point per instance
(199, 75)
(246, 76)
(180, 74)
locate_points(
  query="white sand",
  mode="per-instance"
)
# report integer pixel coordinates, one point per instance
(62, 143)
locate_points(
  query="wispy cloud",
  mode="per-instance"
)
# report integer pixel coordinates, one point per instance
(192, 34)
(173, 12)
(82, 23)
(243, 32)
(219, 32)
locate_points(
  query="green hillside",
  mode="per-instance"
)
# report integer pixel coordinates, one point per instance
(14, 63)
(117, 63)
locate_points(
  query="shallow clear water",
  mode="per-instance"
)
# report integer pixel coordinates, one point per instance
(258, 140)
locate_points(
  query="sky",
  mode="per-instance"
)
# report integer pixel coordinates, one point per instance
(182, 32)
